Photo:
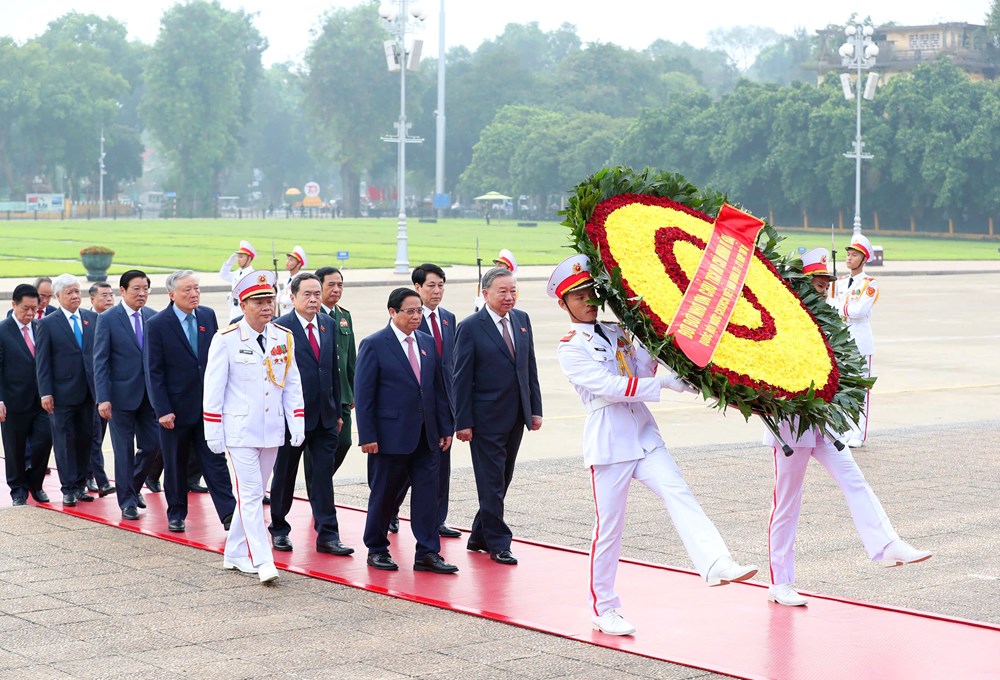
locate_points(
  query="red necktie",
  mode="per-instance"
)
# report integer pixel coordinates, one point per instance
(313, 342)
(413, 359)
(27, 340)
(40, 313)
(437, 335)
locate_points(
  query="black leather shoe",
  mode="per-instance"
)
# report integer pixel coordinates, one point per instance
(69, 499)
(227, 521)
(476, 546)
(448, 532)
(267, 500)
(131, 512)
(197, 488)
(334, 548)
(394, 525)
(282, 543)
(91, 485)
(176, 525)
(382, 561)
(153, 485)
(433, 562)
(106, 488)
(17, 502)
(40, 496)
(503, 557)
(84, 496)
(140, 501)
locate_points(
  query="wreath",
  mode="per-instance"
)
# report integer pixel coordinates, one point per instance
(785, 354)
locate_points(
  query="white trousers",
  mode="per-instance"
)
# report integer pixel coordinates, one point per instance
(248, 536)
(789, 472)
(859, 430)
(660, 473)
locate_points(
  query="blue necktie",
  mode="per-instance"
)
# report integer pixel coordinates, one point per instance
(77, 331)
(191, 333)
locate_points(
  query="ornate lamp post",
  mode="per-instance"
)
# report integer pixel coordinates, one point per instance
(858, 53)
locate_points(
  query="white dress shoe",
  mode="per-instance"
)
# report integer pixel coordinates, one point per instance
(612, 623)
(727, 570)
(267, 572)
(786, 595)
(855, 443)
(899, 552)
(242, 564)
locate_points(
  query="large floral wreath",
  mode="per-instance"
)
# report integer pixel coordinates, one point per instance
(785, 354)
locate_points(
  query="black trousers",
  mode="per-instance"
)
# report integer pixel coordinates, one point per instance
(320, 448)
(19, 431)
(179, 445)
(72, 437)
(136, 443)
(493, 458)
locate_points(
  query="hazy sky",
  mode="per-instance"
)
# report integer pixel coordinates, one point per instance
(629, 23)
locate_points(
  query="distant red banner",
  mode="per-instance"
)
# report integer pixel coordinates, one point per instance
(709, 301)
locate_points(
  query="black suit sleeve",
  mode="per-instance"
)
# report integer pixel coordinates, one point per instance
(43, 360)
(465, 362)
(533, 386)
(153, 360)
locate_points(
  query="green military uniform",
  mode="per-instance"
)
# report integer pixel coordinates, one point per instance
(347, 355)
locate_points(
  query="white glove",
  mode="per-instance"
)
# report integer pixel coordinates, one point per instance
(297, 439)
(216, 445)
(670, 381)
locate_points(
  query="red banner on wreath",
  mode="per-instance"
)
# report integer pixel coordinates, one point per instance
(711, 297)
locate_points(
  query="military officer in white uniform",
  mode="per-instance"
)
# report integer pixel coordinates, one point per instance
(855, 295)
(621, 442)
(880, 540)
(252, 391)
(295, 263)
(505, 259)
(243, 259)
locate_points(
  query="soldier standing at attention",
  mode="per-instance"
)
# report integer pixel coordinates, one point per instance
(242, 258)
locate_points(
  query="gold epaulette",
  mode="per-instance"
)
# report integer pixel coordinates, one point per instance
(278, 325)
(231, 327)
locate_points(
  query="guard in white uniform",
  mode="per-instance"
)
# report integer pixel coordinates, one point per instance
(242, 258)
(252, 391)
(295, 263)
(504, 259)
(880, 540)
(855, 295)
(621, 442)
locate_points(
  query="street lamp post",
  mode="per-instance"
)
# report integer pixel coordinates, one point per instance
(100, 181)
(395, 16)
(858, 53)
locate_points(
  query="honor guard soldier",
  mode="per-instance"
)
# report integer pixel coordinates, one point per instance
(504, 259)
(252, 392)
(621, 442)
(295, 263)
(880, 540)
(855, 295)
(243, 259)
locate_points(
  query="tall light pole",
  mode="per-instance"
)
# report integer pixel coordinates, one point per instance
(858, 53)
(100, 181)
(395, 16)
(439, 140)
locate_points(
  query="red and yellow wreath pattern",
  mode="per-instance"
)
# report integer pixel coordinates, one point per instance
(772, 342)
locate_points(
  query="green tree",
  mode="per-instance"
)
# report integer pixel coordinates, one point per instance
(785, 61)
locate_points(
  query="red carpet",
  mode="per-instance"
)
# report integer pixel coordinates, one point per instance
(731, 630)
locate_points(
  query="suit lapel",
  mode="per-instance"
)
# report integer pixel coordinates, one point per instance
(301, 339)
(67, 328)
(178, 329)
(396, 349)
(493, 331)
(17, 338)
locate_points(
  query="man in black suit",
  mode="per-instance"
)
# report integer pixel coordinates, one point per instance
(496, 397)
(22, 420)
(102, 298)
(64, 366)
(43, 286)
(316, 355)
(404, 423)
(177, 340)
(120, 379)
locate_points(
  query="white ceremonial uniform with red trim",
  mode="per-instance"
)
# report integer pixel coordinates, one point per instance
(249, 410)
(854, 299)
(789, 473)
(622, 442)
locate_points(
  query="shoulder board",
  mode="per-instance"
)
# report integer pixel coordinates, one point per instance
(280, 327)
(568, 336)
(231, 327)
(343, 309)
(610, 323)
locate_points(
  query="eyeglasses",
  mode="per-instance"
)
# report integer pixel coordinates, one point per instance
(412, 312)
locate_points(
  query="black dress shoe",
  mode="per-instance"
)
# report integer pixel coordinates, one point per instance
(91, 485)
(17, 502)
(282, 543)
(227, 521)
(140, 501)
(267, 500)
(153, 485)
(106, 488)
(131, 512)
(333, 547)
(197, 488)
(476, 546)
(176, 525)
(433, 562)
(382, 561)
(40, 496)
(69, 499)
(394, 525)
(503, 557)
(448, 532)
(84, 496)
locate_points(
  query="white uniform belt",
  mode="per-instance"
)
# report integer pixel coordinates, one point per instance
(597, 403)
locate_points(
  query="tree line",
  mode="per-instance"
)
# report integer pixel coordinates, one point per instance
(529, 113)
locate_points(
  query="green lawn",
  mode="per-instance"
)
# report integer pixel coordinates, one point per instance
(32, 248)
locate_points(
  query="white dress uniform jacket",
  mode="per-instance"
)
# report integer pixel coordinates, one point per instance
(233, 277)
(250, 395)
(855, 302)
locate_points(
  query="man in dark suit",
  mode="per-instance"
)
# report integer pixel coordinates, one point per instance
(43, 286)
(102, 298)
(404, 423)
(64, 366)
(496, 397)
(177, 340)
(332, 282)
(22, 420)
(316, 355)
(120, 378)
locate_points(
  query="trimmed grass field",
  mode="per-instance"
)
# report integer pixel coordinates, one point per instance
(33, 248)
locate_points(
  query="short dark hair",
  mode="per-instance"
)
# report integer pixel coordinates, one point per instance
(399, 295)
(324, 272)
(23, 290)
(97, 286)
(419, 274)
(127, 277)
(305, 276)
